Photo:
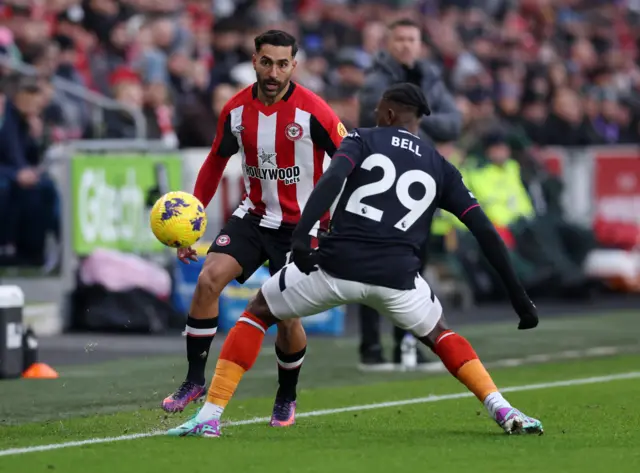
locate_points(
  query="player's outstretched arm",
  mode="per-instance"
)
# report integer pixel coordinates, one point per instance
(458, 200)
(496, 252)
(322, 196)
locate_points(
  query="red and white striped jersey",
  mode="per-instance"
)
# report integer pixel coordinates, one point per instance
(282, 148)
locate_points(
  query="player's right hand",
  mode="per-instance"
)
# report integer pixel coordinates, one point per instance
(304, 257)
(187, 254)
(527, 312)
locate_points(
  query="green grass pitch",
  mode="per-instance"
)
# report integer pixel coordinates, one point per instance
(356, 422)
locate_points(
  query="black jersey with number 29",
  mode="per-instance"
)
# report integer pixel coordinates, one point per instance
(384, 213)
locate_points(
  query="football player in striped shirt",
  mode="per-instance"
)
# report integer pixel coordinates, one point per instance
(282, 132)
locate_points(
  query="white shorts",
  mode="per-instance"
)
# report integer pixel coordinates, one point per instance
(292, 294)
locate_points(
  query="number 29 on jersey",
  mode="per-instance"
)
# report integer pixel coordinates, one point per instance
(416, 207)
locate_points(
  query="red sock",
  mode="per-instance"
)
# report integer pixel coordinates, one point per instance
(454, 351)
(244, 341)
(239, 352)
(461, 360)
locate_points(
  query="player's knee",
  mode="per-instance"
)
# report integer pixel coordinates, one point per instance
(291, 337)
(430, 338)
(212, 281)
(259, 308)
(290, 326)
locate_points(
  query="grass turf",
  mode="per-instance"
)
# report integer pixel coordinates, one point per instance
(589, 428)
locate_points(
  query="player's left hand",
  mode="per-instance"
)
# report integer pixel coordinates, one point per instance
(528, 314)
(304, 257)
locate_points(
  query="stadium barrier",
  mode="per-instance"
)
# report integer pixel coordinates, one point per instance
(106, 188)
(602, 190)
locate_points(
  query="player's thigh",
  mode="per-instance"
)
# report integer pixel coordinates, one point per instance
(277, 244)
(241, 240)
(416, 310)
(292, 294)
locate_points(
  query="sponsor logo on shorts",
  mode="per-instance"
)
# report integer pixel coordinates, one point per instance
(293, 131)
(223, 240)
(289, 175)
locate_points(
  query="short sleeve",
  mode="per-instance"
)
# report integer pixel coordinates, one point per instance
(456, 197)
(327, 131)
(225, 143)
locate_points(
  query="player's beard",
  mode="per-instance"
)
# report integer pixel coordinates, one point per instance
(271, 88)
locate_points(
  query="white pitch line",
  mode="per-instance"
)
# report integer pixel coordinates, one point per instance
(339, 410)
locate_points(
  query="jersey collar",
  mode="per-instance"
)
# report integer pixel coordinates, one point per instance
(273, 108)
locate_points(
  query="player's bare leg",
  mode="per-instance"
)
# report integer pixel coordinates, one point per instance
(291, 346)
(218, 271)
(461, 360)
(239, 352)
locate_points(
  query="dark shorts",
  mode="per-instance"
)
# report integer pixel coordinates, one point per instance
(251, 245)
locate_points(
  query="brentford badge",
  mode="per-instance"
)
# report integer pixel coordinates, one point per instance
(293, 131)
(223, 240)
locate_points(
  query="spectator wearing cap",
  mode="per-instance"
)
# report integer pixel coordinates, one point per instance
(76, 112)
(158, 111)
(109, 56)
(126, 88)
(349, 70)
(227, 40)
(533, 114)
(401, 62)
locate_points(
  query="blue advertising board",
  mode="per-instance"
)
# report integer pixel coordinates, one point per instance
(235, 296)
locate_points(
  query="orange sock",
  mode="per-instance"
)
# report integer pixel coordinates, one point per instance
(239, 353)
(224, 384)
(461, 360)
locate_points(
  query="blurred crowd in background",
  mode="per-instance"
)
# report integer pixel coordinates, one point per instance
(503, 78)
(566, 71)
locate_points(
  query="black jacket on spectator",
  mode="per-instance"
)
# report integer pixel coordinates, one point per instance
(444, 123)
(120, 124)
(559, 132)
(17, 148)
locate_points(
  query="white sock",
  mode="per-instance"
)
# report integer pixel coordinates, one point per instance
(209, 411)
(495, 401)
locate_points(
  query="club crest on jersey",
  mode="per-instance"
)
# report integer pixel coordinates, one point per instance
(223, 240)
(342, 130)
(293, 131)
